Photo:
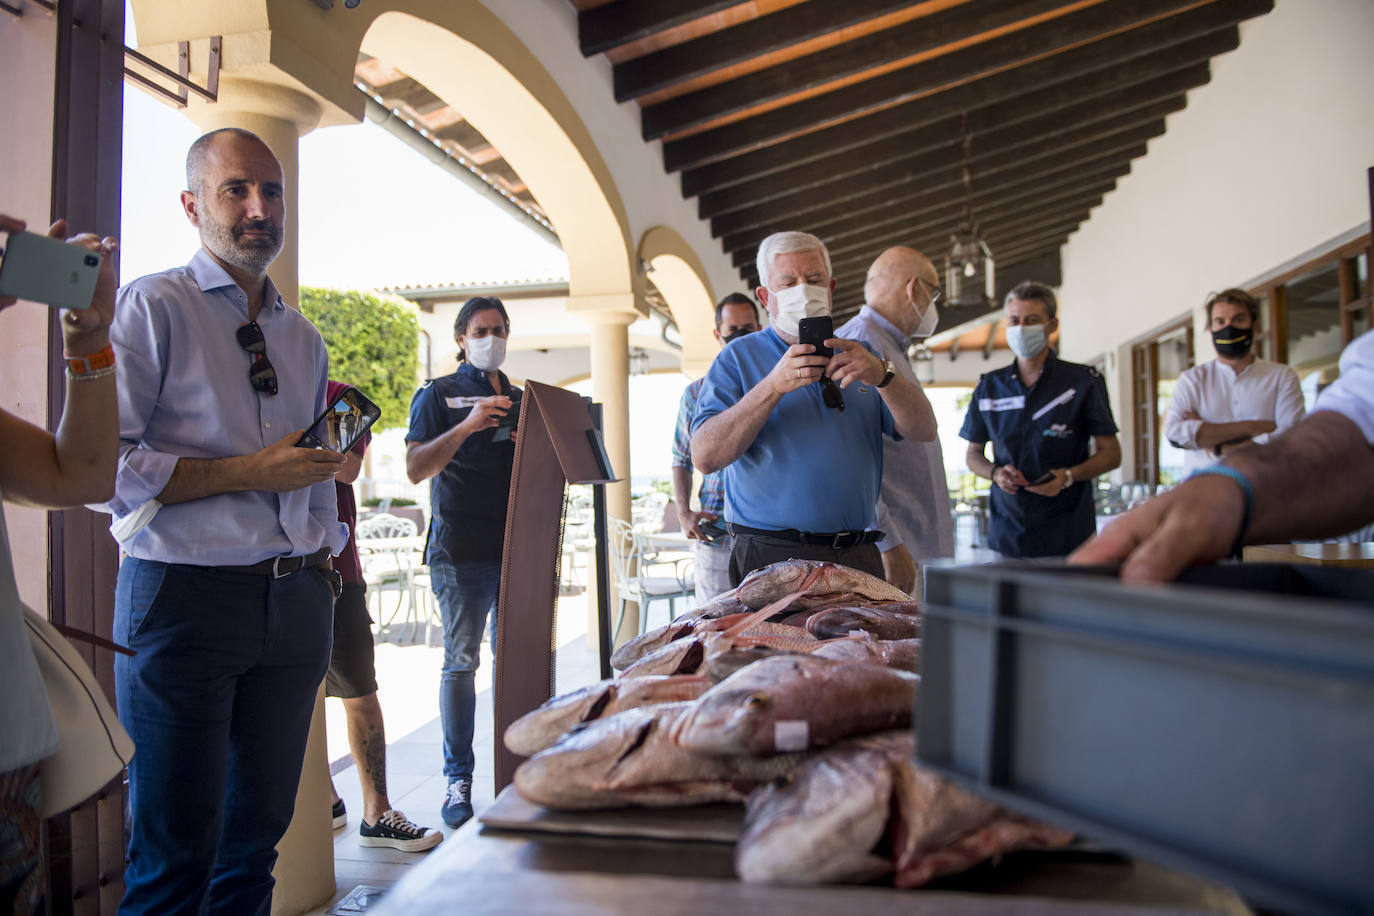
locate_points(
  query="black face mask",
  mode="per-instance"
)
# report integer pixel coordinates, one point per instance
(1233, 342)
(735, 336)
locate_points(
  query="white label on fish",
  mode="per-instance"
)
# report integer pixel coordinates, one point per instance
(791, 735)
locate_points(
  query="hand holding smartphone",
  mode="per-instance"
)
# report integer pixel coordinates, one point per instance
(342, 424)
(49, 271)
(816, 331)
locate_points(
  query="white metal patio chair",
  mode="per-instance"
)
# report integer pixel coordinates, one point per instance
(635, 581)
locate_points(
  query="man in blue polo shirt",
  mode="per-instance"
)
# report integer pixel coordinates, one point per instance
(799, 434)
(1040, 413)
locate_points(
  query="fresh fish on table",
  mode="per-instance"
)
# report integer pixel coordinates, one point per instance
(942, 829)
(864, 808)
(632, 758)
(682, 656)
(632, 650)
(539, 728)
(821, 824)
(841, 621)
(689, 656)
(792, 702)
(763, 586)
(902, 654)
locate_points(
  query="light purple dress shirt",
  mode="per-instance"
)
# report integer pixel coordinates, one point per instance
(913, 506)
(184, 392)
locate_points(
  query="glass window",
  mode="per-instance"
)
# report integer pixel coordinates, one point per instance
(1173, 357)
(1314, 319)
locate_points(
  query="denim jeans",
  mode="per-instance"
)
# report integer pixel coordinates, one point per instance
(218, 700)
(466, 593)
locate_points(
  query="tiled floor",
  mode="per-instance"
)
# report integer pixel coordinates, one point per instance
(408, 676)
(409, 679)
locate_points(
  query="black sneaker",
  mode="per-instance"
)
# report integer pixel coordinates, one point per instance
(394, 829)
(340, 814)
(457, 802)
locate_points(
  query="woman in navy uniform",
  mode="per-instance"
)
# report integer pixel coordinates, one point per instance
(1040, 413)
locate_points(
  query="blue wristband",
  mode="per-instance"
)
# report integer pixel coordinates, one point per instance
(1246, 490)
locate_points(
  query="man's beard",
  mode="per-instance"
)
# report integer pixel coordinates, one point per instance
(253, 256)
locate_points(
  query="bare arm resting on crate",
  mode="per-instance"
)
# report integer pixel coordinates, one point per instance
(1317, 480)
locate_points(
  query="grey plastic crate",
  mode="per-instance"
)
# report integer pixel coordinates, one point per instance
(1223, 725)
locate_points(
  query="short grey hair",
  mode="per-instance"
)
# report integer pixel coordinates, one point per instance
(195, 156)
(1029, 290)
(787, 243)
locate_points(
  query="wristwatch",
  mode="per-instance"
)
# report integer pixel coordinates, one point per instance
(1068, 478)
(889, 371)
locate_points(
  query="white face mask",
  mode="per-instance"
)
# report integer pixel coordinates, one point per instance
(486, 353)
(798, 302)
(926, 326)
(1026, 340)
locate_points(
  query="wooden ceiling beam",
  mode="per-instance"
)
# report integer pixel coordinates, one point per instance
(727, 47)
(934, 236)
(947, 180)
(1164, 96)
(611, 25)
(899, 43)
(919, 123)
(904, 213)
(1107, 165)
(994, 150)
(934, 244)
(890, 89)
(906, 223)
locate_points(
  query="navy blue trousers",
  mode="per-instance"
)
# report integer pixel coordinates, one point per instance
(218, 700)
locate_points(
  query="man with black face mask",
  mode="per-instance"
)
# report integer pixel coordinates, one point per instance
(736, 316)
(1236, 398)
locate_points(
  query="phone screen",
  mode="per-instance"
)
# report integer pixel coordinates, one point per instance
(342, 424)
(49, 271)
(815, 331)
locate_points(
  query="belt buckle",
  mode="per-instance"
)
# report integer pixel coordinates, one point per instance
(835, 541)
(276, 568)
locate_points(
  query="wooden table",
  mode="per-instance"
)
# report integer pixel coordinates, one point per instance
(479, 870)
(1359, 556)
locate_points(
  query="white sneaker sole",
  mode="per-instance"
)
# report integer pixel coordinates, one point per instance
(419, 844)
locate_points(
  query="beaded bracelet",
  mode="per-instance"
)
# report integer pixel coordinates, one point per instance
(90, 376)
(1246, 490)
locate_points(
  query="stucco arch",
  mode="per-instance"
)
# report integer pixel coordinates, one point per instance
(680, 277)
(466, 56)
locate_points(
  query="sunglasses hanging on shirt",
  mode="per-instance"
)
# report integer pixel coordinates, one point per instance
(261, 373)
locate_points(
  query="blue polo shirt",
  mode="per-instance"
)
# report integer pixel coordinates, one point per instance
(1048, 425)
(811, 467)
(468, 497)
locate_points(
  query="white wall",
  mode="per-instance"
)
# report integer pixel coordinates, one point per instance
(1268, 160)
(27, 52)
(651, 196)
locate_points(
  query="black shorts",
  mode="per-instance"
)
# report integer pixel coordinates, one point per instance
(352, 667)
(754, 551)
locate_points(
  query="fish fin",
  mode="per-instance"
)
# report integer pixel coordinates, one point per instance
(767, 611)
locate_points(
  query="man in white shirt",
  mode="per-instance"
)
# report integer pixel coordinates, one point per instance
(1236, 398)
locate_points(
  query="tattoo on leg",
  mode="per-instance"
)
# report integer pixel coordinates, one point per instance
(376, 759)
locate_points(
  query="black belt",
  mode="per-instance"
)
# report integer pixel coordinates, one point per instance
(839, 540)
(277, 567)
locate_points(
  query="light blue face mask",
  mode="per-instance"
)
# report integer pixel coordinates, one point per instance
(1026, 340)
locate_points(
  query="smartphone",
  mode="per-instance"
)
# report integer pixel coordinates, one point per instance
(712, 530)
(507, 424)
(50, 271)
(816, 331)
(1049, 475)
(342, 424)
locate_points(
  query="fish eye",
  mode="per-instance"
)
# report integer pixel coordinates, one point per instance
(756, 700)
(783, 781)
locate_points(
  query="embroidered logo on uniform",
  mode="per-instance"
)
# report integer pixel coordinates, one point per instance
(993, 404)
(1058, 431)
(460, 403)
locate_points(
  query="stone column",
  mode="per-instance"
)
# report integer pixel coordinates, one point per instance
(281, 116)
